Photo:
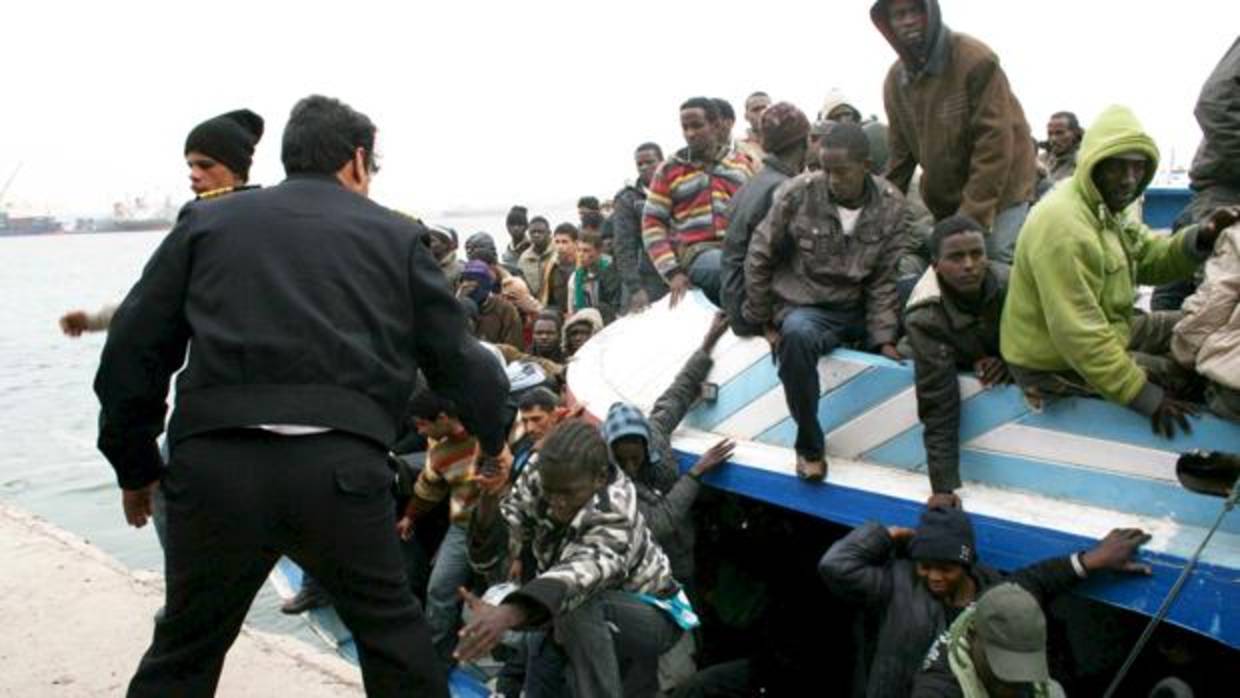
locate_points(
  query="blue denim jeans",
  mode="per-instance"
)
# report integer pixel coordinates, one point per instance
(806, 334)
(1001, 243)
(706, 273)
(443, 606)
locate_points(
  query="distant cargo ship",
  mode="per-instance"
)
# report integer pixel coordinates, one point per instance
(127, 218)
(29, 225)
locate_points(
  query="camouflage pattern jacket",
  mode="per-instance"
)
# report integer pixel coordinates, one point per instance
(607, 546)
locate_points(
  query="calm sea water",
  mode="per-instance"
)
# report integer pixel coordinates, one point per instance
(48, 411)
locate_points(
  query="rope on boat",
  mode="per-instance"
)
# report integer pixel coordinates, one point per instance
(1172, 595)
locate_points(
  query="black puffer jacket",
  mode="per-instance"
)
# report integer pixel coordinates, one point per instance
(864, 567)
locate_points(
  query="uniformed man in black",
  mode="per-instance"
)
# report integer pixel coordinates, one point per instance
(310, 310)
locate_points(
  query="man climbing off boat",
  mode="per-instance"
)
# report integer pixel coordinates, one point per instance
(952, 321)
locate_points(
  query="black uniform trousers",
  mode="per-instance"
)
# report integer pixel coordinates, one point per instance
(236, 501)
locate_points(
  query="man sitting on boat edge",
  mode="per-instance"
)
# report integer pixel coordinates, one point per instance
(1068, 325)
(821, 271)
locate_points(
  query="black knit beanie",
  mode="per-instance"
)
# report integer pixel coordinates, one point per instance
(229, 139)
(944, 535)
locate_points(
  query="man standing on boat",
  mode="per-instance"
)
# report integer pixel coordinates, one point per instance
(921, 580)
(686, 211)
(821, 271)
(952, 111)
(1068, 324)
(952, 321)
(285, 408)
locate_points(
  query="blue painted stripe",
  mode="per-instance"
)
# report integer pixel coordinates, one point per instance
(756, 380)
(979, 414)
(856, 396)
(1103, 489)
(762, 376)
(1209, 605)
(1103, 420)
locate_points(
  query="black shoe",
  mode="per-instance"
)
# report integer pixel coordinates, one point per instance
(310, 596)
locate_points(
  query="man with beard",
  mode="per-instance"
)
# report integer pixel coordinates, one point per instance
(922, 580)
(641, 281)
(951, 110)
(686, 212)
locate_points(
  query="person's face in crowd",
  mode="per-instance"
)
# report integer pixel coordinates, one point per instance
(545, 335)
(516, 231)
(845, 176)
(961, 264)
(908, 22)
(208, 174)
(942, 579)
(647, 162)
(566, 249)
(437, 428)
(441, 246)
(700, 135)
(587, 254)
(582, 211)
(537, 422)
(1061, 136)
(1119, 181)
(576, 336)
(843, 115)
(540, 236)
(472, 247)
(630, 453)
(754, 106)
(566, 493)
(995, 686)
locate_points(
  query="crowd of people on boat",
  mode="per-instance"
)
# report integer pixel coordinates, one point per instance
(389, 410)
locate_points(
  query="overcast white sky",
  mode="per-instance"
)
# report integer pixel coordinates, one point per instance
(485, 104)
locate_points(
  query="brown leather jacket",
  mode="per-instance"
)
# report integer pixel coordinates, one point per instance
(953, 112)
(800, 256)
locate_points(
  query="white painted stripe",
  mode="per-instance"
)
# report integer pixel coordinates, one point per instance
(772, 408)
(885, 421)
(1020, 507)
(1097, 454)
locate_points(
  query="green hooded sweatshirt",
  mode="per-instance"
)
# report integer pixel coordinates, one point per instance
(1070, 300)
